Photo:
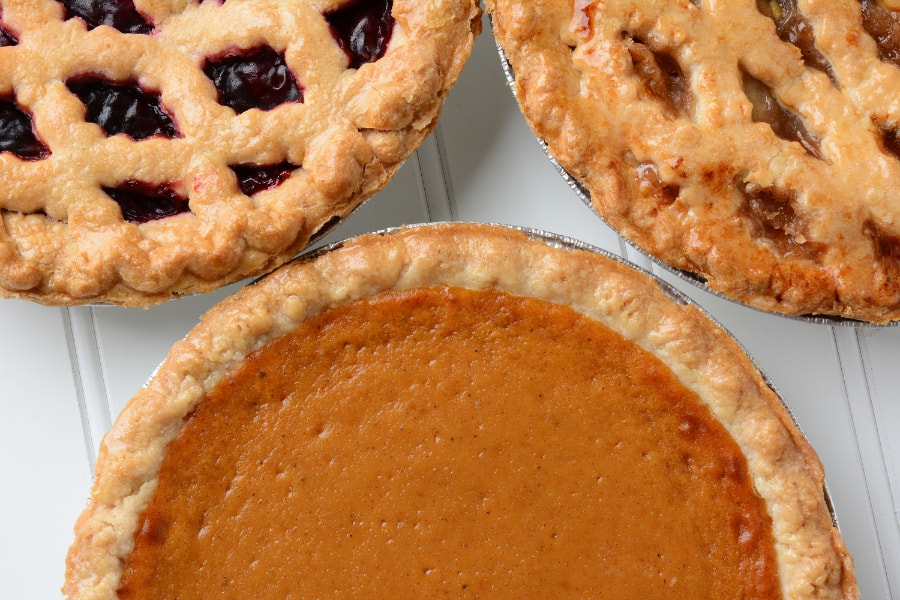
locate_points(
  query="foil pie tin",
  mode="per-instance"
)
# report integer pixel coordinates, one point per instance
(687, 276)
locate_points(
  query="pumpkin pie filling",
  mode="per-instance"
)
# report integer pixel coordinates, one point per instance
(444, 441)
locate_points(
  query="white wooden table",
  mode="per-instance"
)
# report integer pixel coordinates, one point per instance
(66, 373)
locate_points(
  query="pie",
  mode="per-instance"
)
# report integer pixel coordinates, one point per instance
(457, 410)
(155, 148)
(751, 144)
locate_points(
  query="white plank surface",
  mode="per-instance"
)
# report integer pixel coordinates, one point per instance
(43, 458)
(67, 373)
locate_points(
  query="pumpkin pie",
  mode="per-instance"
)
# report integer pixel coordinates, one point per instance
(457, 410)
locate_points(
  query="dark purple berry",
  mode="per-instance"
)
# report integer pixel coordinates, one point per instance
(141, 202)
(256, 178)
(362, 29)
(17, 133)
(123, 108)
(7, 38)
(120, 14)
(254, 79)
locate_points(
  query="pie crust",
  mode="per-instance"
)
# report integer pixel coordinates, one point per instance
(784, 470)
(752, 144)
(63, 239)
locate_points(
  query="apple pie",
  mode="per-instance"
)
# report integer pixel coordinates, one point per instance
(751, 144)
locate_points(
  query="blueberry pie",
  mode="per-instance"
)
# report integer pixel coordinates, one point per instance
(752, 143)
(457, 410)
(155, 148)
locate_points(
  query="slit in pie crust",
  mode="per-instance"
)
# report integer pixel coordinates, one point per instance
(752, 144)
(124, 123)
(457, 409)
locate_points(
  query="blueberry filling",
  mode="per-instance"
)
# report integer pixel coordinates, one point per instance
(362, 29)
(141, 202)
(257, 78)
(17, 133)
(6, 38)
(120, 14)
(123, 108)
(256, 178)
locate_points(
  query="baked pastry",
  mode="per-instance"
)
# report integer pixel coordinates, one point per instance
(459, 410)
(751, 143)
(156, 148)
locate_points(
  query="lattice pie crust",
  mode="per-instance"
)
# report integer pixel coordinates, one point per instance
(63, 239)
(751, 142)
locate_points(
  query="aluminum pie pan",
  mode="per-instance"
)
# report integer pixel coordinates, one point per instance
(564, 242)
(692, 278)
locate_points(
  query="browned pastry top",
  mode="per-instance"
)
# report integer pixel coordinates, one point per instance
(181, 145)
(752, 143)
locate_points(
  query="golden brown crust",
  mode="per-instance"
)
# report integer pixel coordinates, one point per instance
(659, 109)
(784, 469)
(63, 241)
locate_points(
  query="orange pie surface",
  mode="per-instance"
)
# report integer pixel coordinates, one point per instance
(442, 442)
